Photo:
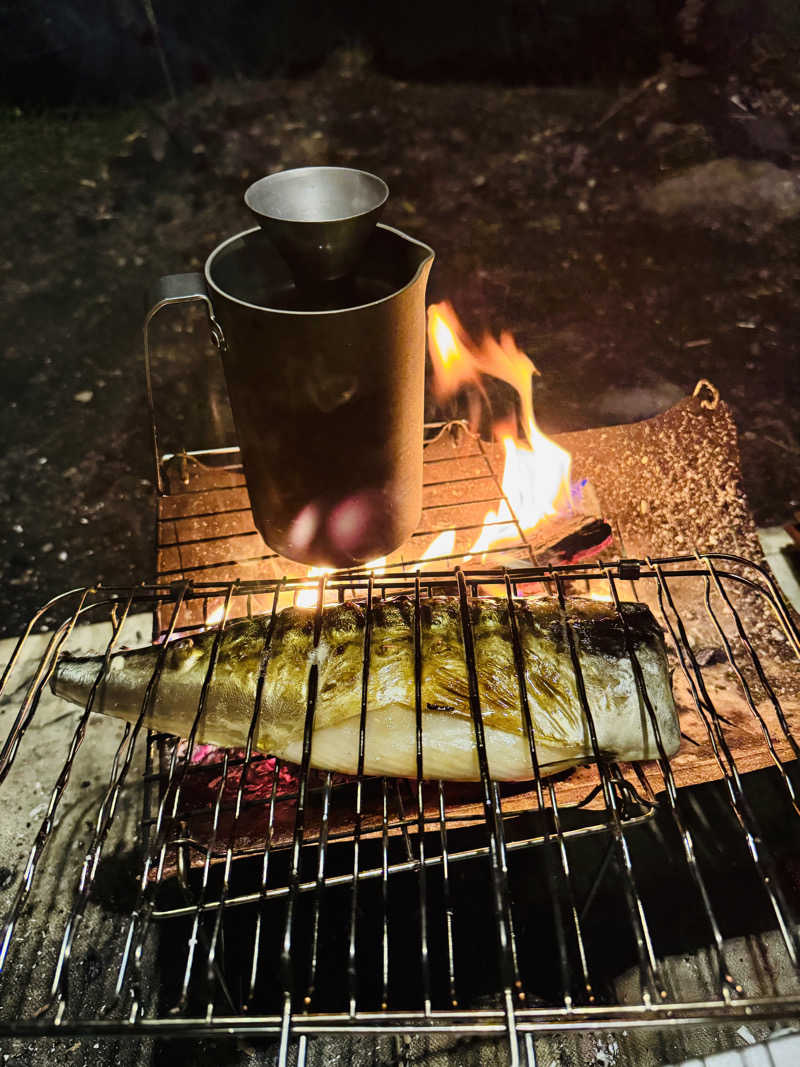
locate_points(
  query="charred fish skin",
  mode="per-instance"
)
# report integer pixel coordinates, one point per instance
(560, 728)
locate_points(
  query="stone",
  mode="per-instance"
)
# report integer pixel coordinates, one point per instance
(631, 404)
(757, 193)
(661, 130)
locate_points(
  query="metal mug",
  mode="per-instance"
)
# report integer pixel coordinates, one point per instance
(327, 401)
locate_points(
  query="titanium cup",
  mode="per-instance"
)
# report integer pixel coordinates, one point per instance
(327, 400)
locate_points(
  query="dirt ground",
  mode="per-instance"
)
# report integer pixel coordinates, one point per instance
(549, 217)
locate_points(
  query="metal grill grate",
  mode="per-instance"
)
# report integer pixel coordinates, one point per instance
(283, 901)
(205, 529)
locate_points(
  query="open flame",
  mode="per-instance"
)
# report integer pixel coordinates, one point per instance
(536, 472)
(309, 598)
(454, 365)
(441, 547)
(216, 616)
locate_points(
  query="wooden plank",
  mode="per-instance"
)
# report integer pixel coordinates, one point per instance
(455, 468)
(209, 501)
(203, 527)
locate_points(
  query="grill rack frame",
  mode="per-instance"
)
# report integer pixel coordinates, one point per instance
(513, 1019)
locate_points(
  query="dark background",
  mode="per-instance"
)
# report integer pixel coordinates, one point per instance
(89, 51)
(528, 143)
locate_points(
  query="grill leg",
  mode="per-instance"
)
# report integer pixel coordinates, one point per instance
(530, 1051)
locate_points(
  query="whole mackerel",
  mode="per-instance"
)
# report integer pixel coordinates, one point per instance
(561, 731)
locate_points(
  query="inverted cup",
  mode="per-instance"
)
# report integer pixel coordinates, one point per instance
(319, 218)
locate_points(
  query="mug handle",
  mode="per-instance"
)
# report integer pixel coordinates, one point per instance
(174, 289)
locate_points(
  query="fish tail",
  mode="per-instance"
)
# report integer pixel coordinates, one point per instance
(73, 676)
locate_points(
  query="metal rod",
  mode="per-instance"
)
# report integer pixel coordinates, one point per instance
(762, 677)
(405, 866)
(421, 872)
(652, 985)
(59, 984)
(449, 915)
(728, 985)
(352, 972)
(477, 1021)
(550, 852)
(754, 842)
(139, 917)
(385, 897)
(142, 913)
(211, 969)
(57, 792)
(286, 967)
(262, 893)
(319, 886)
(508, 977)
(35, 687)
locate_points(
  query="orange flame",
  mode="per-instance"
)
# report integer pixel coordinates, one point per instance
(215, 616)
(441, 546)
(454, 365)
(309, 598)
(536, 472)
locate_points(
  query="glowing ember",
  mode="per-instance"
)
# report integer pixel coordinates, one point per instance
(536, 472)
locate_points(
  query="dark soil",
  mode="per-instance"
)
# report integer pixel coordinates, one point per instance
(535, 201)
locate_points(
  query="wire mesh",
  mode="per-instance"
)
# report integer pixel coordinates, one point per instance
(205, 528)
(279, 899)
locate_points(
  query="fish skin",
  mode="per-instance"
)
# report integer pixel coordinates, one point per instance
(622, 724)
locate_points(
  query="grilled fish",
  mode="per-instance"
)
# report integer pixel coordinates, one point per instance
(561, 730)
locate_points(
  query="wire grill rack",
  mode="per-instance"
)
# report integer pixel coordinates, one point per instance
(205, 528)
(364, 903)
